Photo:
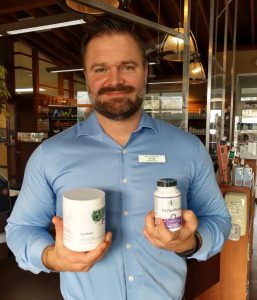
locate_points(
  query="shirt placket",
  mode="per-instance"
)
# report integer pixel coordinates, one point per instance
(127, 244)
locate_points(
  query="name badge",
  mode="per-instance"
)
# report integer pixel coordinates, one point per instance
(152, 158)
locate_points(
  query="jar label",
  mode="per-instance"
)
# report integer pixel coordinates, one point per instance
(84, 228)
(169, 210)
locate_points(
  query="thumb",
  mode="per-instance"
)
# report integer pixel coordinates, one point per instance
(58, 224)
(189, 219)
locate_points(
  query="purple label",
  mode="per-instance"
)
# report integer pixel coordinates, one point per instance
(175, 222)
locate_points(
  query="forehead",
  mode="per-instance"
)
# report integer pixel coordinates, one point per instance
(112, 46)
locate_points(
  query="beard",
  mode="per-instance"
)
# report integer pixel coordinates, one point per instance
(117, 108)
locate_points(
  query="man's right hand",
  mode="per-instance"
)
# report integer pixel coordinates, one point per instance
(59, 258)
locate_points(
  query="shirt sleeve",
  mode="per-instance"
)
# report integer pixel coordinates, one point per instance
(27, 232)
(207, 202)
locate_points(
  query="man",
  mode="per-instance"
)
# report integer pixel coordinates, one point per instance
(139, 258)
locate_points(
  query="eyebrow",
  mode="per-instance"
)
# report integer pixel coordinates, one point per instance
(125, 62)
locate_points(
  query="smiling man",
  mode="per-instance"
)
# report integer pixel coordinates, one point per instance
(139, 258)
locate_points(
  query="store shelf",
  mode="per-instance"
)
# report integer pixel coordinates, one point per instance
(248, 131)
(73, 105)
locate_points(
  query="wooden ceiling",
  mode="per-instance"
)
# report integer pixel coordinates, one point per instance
(62, 45)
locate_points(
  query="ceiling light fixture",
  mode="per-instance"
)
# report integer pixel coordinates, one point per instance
(172, 48)
(42, 24)
(196, 70)
(88, 10)
(27, 90)
(64, 69)
(46, 27)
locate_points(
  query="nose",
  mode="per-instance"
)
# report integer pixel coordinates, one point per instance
(114, 77)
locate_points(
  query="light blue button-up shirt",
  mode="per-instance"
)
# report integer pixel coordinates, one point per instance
(84, 156)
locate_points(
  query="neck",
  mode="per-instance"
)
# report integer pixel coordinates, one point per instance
(120, 131)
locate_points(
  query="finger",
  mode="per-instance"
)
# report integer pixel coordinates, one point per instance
(153, 240)
(58, 224)
(164, 234)
(189, 219)
(109, 242)
(150, 222)
(99, 251)
(148, 236)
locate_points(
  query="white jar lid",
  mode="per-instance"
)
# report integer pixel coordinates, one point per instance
(88, 195)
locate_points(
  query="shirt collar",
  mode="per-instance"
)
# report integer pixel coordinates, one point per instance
(91, 126)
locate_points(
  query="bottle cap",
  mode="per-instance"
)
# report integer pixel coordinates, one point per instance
(166, 182)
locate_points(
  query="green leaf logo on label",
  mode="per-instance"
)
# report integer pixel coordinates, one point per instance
(98, 215)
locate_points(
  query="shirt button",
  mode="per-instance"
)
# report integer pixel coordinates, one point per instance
(124, 180)
(125, 213)
(128, 246)
(130, 278)
(124, 151)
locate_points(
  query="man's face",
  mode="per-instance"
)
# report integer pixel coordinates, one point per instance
(115, 75)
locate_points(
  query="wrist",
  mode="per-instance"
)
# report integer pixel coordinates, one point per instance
(190, 252)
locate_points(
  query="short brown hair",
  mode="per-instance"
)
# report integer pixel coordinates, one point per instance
(110, 25)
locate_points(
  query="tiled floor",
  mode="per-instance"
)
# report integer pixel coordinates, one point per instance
(253, 279)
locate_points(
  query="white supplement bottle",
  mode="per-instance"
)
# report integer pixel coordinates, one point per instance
(167, 203)
(83, 219)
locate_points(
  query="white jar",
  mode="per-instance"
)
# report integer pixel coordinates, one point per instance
(167, 203)
(83, 219)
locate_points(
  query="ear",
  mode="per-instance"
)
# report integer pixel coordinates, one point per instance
(146, 73)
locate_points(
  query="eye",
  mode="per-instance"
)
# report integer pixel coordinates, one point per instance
(128, 68)
(99, 70)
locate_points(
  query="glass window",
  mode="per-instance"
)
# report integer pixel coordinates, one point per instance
(21, 60)
(48, 82)
(20, 47)
(23, 81)
(79, 85)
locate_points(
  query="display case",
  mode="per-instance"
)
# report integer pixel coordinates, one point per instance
(245, 135)
(169, 107)
(166, 106)
(55, 114)
(197, 124)
(245, 121)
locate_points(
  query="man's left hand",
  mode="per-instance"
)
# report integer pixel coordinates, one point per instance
(177, 241)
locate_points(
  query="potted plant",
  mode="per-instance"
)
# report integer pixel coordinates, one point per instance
(4, 94)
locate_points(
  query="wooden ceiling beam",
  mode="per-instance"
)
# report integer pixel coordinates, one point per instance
(52, 40)
(156, 12)
(29, 43)
(252, 21)
(204, 15)
(7, 19)
(10, 6)
(50, 50)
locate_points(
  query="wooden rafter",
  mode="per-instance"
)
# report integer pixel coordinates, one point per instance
(252, 21)
(10, 6)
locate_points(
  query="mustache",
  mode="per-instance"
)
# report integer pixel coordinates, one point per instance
(117, 88)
